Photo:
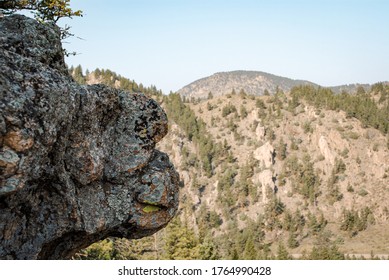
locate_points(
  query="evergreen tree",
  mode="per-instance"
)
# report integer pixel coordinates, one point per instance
(292, 241)
(78, 76)
(308, 180)
(360, 90)
(242, 93)
(250, 252)
(325, 248)
(180, 242)
(281, 149)
(243, 112)
(208, 250)
(282, 252)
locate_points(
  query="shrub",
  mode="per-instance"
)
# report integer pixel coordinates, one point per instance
(228, 109)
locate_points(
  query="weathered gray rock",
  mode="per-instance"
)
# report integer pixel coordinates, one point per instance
(77, 163)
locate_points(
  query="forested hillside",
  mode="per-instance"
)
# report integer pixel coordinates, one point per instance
(299, 174)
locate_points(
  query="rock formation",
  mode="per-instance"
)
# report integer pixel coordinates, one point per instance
(77, 163)
(265, 154)
(325, 150)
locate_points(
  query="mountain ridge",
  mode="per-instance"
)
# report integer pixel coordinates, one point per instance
(253, 83)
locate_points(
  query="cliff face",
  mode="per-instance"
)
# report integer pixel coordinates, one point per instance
(77, 163)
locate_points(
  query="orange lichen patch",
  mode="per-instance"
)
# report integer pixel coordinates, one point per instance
(140, 166)
(129, 170)
(18, 141)
(93, 168)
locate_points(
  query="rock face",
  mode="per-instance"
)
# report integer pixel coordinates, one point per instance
(325, 150)
(265, 154)
(77, 163)
(266, 180)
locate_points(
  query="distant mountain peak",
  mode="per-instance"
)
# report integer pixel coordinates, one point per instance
(252, 82)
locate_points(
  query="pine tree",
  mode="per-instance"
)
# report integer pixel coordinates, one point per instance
(325, 248)
(78, 76)
(308, 180)
(243, 112)
(250, 252)
(282, 252)
(281, 149)
(292, 241)
(208, 250)
(180, 242)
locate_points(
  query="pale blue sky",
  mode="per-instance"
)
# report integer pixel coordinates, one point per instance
(170, 43)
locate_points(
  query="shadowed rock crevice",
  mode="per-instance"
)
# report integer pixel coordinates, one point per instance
(77, 163)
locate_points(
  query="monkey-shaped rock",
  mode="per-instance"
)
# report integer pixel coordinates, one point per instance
(77, 163)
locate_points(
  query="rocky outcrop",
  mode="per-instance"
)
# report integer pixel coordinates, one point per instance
(265, 155)
(325, 150)
(260, 132)
(77, 163)
(267, 182)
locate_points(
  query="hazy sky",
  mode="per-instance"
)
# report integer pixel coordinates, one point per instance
(170, 43)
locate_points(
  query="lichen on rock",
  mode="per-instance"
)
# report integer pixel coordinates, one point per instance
(77, 163)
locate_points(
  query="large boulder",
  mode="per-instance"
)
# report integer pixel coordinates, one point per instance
(77, 163)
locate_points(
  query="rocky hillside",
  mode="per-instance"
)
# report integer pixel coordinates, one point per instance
(298, 172)
(252, 83)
